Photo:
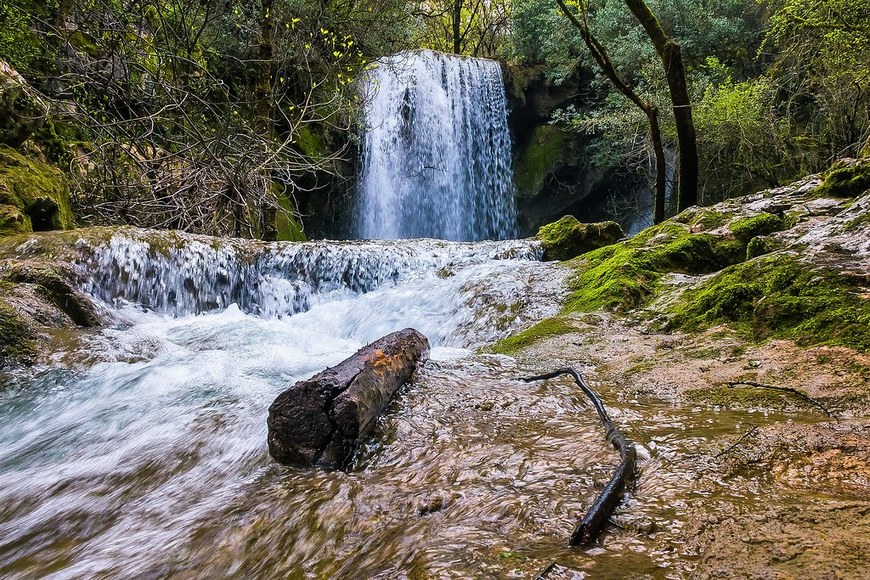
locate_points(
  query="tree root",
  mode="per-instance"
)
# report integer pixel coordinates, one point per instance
(588, 527)
(800, 394)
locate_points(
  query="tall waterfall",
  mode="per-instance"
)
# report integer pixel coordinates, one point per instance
(436, 157)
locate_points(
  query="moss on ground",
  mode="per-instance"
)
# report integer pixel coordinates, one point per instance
(744, 397)
(777, 296)
(33, 195)
(623, 276)
(546, 328)
(849, 181)
(758, 225)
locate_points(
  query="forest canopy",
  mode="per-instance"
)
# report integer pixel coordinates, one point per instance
(215, 116)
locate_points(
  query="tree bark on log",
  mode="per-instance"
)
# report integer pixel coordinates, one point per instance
(321, 421)
(587, 528)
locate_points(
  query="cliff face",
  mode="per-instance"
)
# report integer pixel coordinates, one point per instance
(554, 172)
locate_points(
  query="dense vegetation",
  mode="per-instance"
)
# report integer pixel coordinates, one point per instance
(221, 116)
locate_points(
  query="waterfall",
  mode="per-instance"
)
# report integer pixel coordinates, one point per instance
(436, 155)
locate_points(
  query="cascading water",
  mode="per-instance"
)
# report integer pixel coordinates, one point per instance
(141, 451)
(436, 156)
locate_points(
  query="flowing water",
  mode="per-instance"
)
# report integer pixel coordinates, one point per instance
(141, 451)
(436, 154)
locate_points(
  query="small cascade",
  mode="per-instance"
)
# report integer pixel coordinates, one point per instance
(192, 274)
(436, 157)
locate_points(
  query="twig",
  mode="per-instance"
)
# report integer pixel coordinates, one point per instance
(546, 571)
(803, 396)
(736, 443)
(588, 527)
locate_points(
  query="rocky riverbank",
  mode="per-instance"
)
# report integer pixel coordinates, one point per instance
(772, 289)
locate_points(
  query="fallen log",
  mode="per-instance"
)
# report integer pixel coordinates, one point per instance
(590, 524)
(321, 421)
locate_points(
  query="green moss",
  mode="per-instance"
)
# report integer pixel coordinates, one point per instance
(760, 245)
(549, 327)
(286, 224)
(759, 225)
(545, 149)
(36, 190)
(623, 276)
(82, 42)
(849, 181)
(310, 143)
(778, 297)
(703, 218)
(17, 339)
(566, 238)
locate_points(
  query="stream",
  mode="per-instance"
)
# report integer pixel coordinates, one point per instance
(141, 451)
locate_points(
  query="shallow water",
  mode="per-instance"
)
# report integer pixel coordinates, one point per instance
(142, 450)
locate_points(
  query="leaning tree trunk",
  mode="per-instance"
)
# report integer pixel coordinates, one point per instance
(672, 60)
(599, 54)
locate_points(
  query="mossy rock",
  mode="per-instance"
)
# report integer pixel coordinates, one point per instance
(850, 180)
(778, 296)
(22, 110)
(34, 196)
(18, 342)
(545, 150)
(567, 238)
(625, 275)
(546, 328)
(758, 225)
(288, 228)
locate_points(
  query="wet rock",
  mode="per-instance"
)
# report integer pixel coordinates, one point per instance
(322, 420)
(568, 238)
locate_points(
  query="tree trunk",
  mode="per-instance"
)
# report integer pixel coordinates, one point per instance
(457, 26)
(672, 60)
(599, 54)
(322, 421)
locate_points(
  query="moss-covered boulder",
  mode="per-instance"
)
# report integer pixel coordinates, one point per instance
(847, 178)
(567, 238)
(34, 196)
(22, 110)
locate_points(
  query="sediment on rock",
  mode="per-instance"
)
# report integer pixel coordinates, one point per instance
(322, 420)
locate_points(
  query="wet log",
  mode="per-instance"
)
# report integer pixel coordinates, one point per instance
(590, 524)
(321, 421)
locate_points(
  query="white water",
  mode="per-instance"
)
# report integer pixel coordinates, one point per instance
(436, 155)
(141, 433)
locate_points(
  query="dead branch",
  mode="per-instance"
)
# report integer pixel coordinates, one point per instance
(796, 392)
(588, 527)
